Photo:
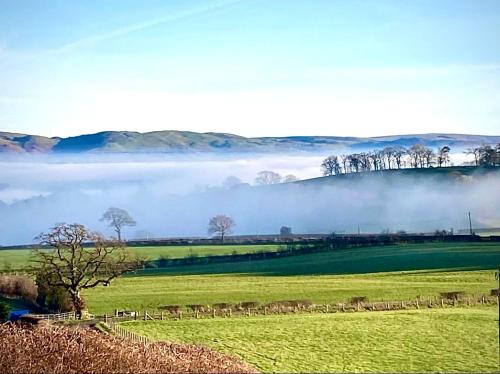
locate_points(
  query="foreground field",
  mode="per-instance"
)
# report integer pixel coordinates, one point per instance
(435, 340)
(18, 258)
(150, 292)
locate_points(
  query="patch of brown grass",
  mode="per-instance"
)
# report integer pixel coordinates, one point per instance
(82, 350)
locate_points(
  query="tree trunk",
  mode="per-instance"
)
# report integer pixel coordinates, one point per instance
(77, 301)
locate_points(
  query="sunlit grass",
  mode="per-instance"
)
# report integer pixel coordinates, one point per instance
(436, 340)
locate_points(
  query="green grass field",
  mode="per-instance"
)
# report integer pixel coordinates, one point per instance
(18, 258)
(436, 340)
(380, 273)
(360, 260)
(150, 292)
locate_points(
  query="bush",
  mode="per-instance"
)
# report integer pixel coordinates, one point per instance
(18, 286)
(55, 299)
(452, 295)
(248, 305)
(4, 311)
(359, 299)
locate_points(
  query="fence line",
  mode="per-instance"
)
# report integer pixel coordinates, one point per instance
(56, 316)
(124, 333)
(282, 308)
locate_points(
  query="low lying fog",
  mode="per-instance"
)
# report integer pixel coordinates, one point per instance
(176, 195)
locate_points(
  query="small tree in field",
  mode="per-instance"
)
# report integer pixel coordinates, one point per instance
(221, 225)
(71, 267)
(118, 218)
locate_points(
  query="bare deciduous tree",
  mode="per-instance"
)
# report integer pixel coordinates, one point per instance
(443, 156)
(267, 177)
(329, 165)
(118, 218)
(290, 178)
(221, 225)
(71, 266)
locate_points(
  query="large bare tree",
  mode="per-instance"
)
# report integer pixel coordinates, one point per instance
(221, 225)
(118, 218)
(80, 259)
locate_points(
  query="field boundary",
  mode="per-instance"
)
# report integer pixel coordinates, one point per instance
(248, 309)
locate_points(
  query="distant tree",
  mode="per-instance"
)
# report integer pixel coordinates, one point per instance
(290, 178)
(489, 156)
(417, 155)
(443, 156)
(330, 166)
(231, 182)
(429, 157)
(344, 159)
(476, 152)
(221, 225)
(73, 268)
(389, 154)
(285, 231)
(399, 153)
(118, 218)
(267, 177)
(354, 162)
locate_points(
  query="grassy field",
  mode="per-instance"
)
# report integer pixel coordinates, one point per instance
(380, 273)
(436, 340)
(140, 293)
(361, 260)
(18, 258)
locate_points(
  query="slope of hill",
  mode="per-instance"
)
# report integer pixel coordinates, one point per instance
(186, 141)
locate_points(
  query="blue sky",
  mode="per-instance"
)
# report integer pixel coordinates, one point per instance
(251, 67)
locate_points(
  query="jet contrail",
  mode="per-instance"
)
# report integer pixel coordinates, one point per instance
(146, 24)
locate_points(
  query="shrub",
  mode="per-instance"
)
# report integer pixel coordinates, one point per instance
(452, 295)
(222, 306)
(197, 307)
(358, 299)
(55, 299)
(18, 286)
(4, 311)
(248, 305)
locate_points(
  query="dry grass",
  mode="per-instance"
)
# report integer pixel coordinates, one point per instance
(80, 350)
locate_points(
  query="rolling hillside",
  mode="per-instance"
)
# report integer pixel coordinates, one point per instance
(190, 142)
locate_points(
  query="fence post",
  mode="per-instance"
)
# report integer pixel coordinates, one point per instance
(197, 314)
(230, 312)
(326, 307)
(180, 314)
(106, 319)
(161, 316)
(417, 304)
(343, 307)
(265, 310)
(116, 312)
(442, 303)
(213, 312)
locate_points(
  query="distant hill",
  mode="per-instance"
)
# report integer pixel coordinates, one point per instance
(192, 142)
